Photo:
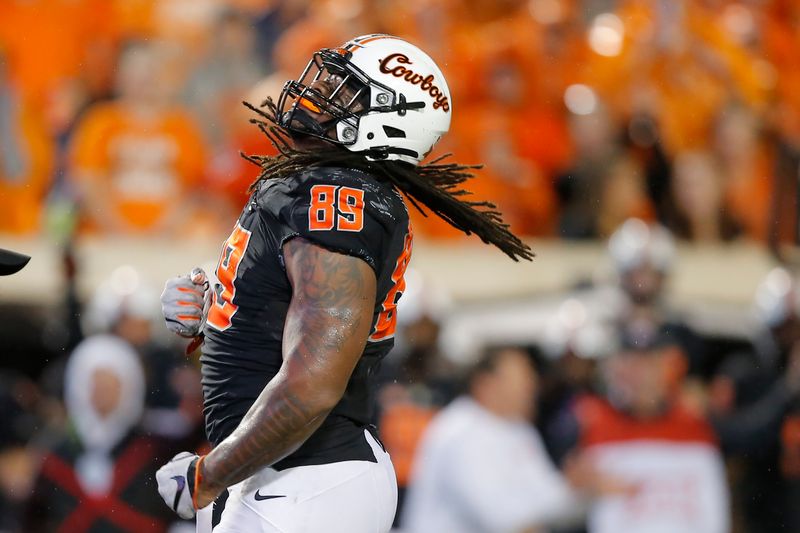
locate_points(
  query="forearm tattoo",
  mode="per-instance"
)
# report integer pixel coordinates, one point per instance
(326, 329)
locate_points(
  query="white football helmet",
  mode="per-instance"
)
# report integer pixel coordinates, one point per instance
(635, 242)
(383, 96)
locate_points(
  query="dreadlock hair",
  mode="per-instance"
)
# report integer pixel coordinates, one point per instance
(434, 185)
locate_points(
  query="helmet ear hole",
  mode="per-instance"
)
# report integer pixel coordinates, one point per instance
(394, 133)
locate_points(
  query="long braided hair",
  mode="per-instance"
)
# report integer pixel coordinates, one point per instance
(434, 184)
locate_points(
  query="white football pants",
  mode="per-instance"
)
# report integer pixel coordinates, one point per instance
(345, 497)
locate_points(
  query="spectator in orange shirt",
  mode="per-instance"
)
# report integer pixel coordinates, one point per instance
(25, 160)
(135, 160)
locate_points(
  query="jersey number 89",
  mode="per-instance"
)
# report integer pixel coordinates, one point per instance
(336, 207)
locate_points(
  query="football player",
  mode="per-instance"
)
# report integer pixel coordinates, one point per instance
(303, 308)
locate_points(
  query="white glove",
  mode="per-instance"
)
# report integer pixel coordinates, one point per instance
(176, 484)
(185, 302)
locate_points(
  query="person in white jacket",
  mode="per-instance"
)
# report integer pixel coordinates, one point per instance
(481, 466)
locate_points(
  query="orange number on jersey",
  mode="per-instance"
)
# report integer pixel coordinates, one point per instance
(351, 209)
(387, 319)
(321, 211)
(222, 306)
(333, 207)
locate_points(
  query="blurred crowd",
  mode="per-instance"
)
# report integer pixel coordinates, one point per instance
(638, 123)
(125, 116)
(611, 412)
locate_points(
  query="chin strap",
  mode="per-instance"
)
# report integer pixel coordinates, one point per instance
(377, 153)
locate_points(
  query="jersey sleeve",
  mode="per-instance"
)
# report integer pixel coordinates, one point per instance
(338, 212)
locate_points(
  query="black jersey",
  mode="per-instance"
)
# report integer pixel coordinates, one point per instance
(346, 211)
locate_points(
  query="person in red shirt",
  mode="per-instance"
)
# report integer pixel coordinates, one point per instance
(640, 433)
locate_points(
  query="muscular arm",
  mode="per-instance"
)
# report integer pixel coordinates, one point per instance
(327, 325)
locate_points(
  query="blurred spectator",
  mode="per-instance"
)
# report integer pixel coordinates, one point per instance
(747, 168)
(18, 462)
(127, 309)
(402, 424)
(698, 196)
(271, 20)
(417, 361)
(421, 382)
(418, 379)
(641, 435)
(580, 186)
(754, 404)
(218, 85)
(575, 344)
(643, 256)
(323, 24)
(229, 174)
(188, 24)
(520, 142)
(224, 78)
(481, 465)
(674, 60)
(420, 366)
(136, 160)
(99, 476)
(623, 196)
(26, 158)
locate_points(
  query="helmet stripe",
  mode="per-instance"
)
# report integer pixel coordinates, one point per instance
(375, 38)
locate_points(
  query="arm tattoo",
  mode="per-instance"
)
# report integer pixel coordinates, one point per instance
(329, 318)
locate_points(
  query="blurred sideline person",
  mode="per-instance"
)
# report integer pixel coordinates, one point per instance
(305, 307)
(98, 477)
(576, 343)
(754, 405)
(639, 434)
(127, 308)
(19, 460)
(481, 466)
(416, 378)
(643, 255)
